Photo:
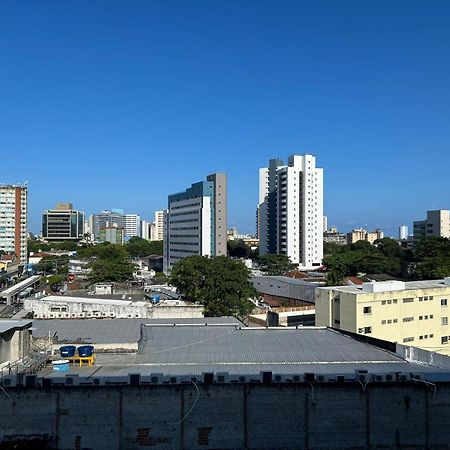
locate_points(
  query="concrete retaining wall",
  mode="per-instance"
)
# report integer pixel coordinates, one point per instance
(228, 416)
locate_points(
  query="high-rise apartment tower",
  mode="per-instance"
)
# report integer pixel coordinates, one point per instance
(290, 210)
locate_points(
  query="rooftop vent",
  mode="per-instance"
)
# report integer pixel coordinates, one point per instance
(383, 286)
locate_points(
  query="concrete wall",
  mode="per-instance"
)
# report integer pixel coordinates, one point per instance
(14, 344)
(228, 417)
(72, 310)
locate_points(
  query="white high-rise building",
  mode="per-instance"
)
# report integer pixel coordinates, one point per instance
(145, 229)
(403, 232)
(14, 221)
(290, 208)
(132, 225)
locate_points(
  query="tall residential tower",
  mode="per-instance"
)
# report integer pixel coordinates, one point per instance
(195, 222)
(13, 221)
(290, 210)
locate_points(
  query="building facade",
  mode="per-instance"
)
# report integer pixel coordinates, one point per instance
(113, 235)
(195, 222)
(63, 223)
(131, 223)
(437, 224)
(359, 234)
(157, 230)
(290, 210)
(14, 221)
(403, 232)
(414, 313)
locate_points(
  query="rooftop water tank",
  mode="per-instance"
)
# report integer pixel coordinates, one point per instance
(62, 365)
(85, 350)
(67, 351)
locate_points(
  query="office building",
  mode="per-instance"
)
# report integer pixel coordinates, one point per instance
(14, 221)
(157, 230)
(131, 223)
(360, 234)
(195, 222)
(290, 208)
(403, 232)
(111, 234)
(413, 313)
(437, 224)
(63, 223)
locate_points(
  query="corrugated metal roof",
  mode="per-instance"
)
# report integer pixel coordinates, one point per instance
(7, 325)
(228, 345)
(107, 331)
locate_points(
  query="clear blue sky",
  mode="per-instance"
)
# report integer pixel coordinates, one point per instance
(120, 103)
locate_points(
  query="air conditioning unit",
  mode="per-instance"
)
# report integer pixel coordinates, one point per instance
(72, 380)
(222, 377)
(154, 378)
(403, 376)
(277, 378)
(417, 376)
(291, 378)
(362, 376)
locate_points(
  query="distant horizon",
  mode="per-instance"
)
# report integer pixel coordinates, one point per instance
(123, 103)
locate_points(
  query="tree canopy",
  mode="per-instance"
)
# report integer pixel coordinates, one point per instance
(222, 285)
(430, 259)
(271, 264)
(137, 246)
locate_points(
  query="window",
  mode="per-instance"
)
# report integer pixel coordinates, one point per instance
(389, 321)
(444, 321)
(395, 320)
(394, 301)
(383, 322)
(389, 302)
(408, 339)
(337, 322)
(383, 302)
(367, 310)
(431, 316)
(408, 319)
(444, 340)
(420, 337)
(367, 330)
(420, 299)
(420, 317)
(443, 302)
(408, 300)
(431, 335)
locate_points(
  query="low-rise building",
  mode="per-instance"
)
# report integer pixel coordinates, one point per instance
(360, 234)
(66, 307)
(413, 313)
(437, 224)
(285, 291)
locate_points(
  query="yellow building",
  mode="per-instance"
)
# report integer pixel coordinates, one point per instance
(412, 313)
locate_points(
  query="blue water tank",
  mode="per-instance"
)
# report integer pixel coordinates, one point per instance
(67, 350)
(85, 350)
(156, 298)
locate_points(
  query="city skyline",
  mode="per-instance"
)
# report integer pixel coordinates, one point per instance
(109, 106)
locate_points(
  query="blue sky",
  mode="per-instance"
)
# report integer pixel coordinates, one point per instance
(120, 103)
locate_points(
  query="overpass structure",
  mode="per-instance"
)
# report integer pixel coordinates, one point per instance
(10, 295)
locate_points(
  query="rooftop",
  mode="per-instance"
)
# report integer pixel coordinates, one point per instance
(409, 285)
(108, 331)
(190, 350)
(8, 325)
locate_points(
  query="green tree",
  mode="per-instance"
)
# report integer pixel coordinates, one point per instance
(137, 246)
(222, 285)
(271, 264)
(113, 270)
(237, 249)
